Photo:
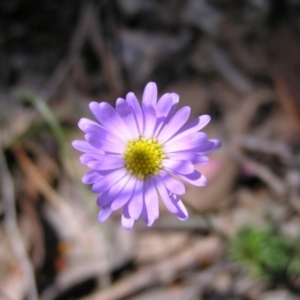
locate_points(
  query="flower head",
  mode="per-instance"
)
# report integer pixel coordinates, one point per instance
(140, 153)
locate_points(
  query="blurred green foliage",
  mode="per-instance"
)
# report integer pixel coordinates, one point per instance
(264, 251)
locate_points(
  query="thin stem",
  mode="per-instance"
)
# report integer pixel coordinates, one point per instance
(18, 247)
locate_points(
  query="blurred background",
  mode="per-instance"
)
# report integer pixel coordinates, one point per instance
(238, 61)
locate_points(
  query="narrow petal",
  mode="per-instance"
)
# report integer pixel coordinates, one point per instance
(83, 146)
(103, 145)
(164, 105)
(109, 195)
(93, 140)
(125, 195)
(91, 177)
(106, 163)
(109, 147)
(150, 121)
(182, 213)
(102, 134)
(85, 159)
(178, 166)
(151, 202)
(207, 146)
(83, 122)
(108, 180)
(172, 184)
(135, 205)
(148, 107)
(165, 109)
(192, 127)
(194, 178)
(137, 111)
(126, 114)
(175, 101)
(127, 223)
(164, 195)
(150, 94)
(188, 155)
(192, 156)
(200, 160)
(104, 214)
(111, 120)
(192, 141)
(178, 120)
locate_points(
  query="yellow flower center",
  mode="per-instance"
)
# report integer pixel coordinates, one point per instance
(143, 157)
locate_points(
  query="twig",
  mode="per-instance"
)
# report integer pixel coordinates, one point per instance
(12, 227)
(228, 70)
(76, 44)
(162, 272)
(42, 186)
(239, 120)
(275, 148)
(261, 171)
(111, 70)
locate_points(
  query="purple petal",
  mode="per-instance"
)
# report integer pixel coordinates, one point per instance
(104, 214)
(164, 195)
(208, 146)
(109, 147)
(108, 180)
(194, 178)
(194, 126)
(182, 213)
(164, 105)
(93, 140)
(178, 166)
(151, 203)
(125, 195)
(95, 109)
(175, 101)
(111, 120)
(102, 134)
(106, 162)
(165, 109)
(135, 205)
(83, 122)
(148, 107)
(175, 124)
(85, 159)
(91, 177)
(192, 141)
(188, 155)
(126, 114)
(200, 160)
(150, 121)
(172, 184)
(109, 195)
(137, 111)
(192, 156)
(150, 94)
(83, 146)
(127, 223)
(101, 144)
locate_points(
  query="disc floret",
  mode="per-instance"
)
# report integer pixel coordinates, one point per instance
(143, 157)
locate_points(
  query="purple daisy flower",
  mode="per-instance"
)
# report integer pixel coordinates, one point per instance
(138, 154)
